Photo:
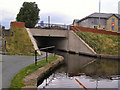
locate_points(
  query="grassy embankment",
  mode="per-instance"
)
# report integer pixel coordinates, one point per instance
(109, 44)
(17, 81)
(19, 43)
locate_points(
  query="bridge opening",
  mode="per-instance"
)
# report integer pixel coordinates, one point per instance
(44, 41)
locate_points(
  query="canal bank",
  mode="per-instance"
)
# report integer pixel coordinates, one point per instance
(97, 56)
(82, 61)
(31, 81)
(17, 81)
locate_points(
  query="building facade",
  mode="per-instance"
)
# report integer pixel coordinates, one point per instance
(109, 22)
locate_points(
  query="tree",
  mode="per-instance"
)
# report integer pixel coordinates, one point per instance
(29, 13)
(3, 27)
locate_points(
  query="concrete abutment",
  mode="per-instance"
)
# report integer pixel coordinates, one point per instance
(62, 40)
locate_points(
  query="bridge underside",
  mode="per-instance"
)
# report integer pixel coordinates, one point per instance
(58, 42)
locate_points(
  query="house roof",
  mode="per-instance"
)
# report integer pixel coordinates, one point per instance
(76, 20)
(101, 15)
(118, 15)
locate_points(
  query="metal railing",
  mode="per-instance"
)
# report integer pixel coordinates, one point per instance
(53, 26)
(46, 48)
(95, 46)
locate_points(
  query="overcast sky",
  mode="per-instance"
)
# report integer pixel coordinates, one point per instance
(61, 11)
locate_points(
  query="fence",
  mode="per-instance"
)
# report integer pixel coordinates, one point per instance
(46, 48)
(95, 46)
(94, 30)
(53, 26)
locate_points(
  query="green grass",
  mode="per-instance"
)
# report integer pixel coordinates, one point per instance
(109, 43)
(17, 81)
(19, 43)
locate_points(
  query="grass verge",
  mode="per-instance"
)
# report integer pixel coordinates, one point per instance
(109, 44)
(19, 43)
(17, 81)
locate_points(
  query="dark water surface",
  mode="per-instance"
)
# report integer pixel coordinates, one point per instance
(91, 72)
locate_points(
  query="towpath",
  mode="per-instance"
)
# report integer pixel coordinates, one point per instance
(11, 65)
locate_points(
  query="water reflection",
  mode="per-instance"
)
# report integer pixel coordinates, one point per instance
(103, 69)
(90, 72)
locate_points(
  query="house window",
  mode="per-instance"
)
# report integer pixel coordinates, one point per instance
(112, 27)
(95, 27)
(103, 27)
(90, 26)
(119, 22)
(99, 26)
(113, 20)
(119, 29)
(95, 21)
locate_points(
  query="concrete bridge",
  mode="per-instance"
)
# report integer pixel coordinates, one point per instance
(61, 39)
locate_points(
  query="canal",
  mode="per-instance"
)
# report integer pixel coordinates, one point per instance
(91, 72)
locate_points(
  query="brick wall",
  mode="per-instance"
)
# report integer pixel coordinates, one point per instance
(17, 24)
(93, 30)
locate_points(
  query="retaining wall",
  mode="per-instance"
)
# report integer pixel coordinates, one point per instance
(77, 45)
(31, 80)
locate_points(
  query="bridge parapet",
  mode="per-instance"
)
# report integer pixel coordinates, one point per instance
(53, 26)
(49, 32)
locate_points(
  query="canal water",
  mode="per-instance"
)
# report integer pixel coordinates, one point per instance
(90, 72)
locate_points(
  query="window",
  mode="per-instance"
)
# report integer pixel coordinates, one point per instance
(119, 29)
(103, 27)
(119, 22)
(99, 26)
(95, 26)
(112, 27)
(95, 21)
(113, 20)
(90, 26)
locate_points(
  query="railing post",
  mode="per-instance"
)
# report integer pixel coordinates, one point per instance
(35, 57)
(46, 55)
(5, 47)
